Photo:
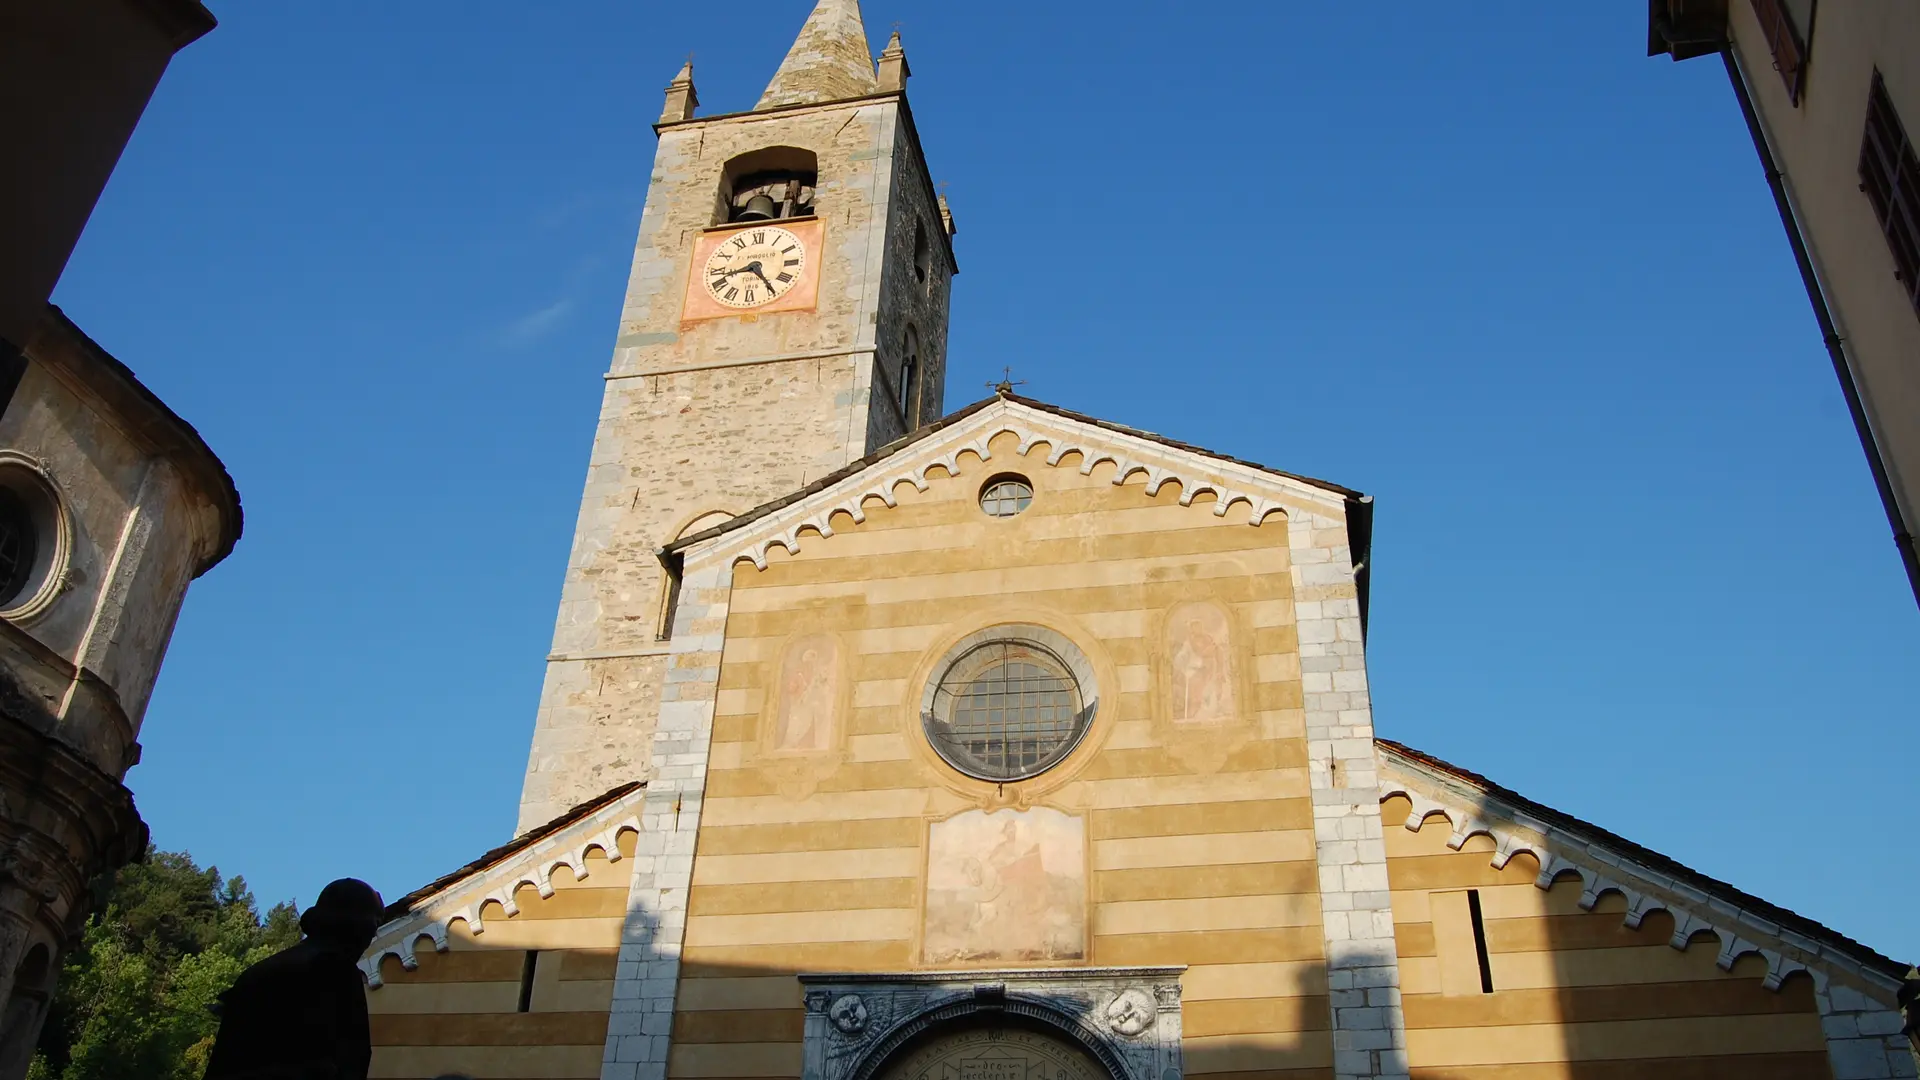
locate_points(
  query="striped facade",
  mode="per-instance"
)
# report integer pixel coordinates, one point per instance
(1574, 993)
(526, 997)
(1523, 946)
(1204, 859)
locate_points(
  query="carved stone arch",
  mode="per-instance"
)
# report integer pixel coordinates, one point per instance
(1127, 1020)
(975, 1009)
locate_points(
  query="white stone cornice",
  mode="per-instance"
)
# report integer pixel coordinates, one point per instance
(434, 916)
(1859, 1014)
(1229, 482)
(1559, 852)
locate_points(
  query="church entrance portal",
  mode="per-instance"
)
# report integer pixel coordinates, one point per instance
(981, 1052)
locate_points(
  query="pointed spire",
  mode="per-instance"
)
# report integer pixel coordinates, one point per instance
(829, 61)
(681, 98)
(893, 65)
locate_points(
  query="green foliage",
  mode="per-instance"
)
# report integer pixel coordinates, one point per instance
(134, 996)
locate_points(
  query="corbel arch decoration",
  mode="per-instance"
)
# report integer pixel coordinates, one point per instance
(432, 918)
(1695, 914)
(1229, 483)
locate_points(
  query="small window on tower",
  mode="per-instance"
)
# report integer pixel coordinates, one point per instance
(910, 379)
(922, 253)
(768, 185)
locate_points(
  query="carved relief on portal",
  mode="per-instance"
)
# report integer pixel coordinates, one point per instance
(1006, 887)
(803, 719)
(1204, 710)
(1131, 1011)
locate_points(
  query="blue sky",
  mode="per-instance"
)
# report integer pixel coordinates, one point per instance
(1496, 268)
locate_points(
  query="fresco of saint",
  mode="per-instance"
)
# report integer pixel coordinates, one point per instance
(809, 691)
(1199, 644)
(1006, 886)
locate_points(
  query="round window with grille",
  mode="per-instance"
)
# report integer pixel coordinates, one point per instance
(1009, 703)
(1005, 496)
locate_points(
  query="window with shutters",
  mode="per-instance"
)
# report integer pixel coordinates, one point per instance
(1786, 42)
(1890, 176)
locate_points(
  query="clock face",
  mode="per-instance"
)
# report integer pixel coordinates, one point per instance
(755, 266)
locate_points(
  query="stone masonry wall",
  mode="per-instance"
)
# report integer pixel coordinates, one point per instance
(906, 300)
(721, 414)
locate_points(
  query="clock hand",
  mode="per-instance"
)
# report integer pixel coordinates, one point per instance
(759, 273)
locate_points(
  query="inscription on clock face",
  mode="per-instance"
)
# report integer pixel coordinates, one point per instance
(755, 266)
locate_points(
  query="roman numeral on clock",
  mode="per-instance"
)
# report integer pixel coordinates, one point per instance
(784, 278)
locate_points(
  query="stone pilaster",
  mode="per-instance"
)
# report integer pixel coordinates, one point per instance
(639, 1030)
(1864, 1040)
(1363, 970)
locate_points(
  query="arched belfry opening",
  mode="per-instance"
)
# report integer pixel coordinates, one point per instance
(767, 185)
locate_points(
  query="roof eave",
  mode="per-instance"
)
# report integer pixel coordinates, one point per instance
(1512, 801)
(1353, 498)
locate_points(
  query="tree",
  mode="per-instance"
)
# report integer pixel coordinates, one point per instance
(134, 999)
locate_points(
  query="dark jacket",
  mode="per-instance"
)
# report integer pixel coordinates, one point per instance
(300, 1014)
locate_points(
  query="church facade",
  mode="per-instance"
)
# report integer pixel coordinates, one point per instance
(1010, 743)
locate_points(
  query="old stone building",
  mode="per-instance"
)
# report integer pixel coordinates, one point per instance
(110, 504)
(1010, 743)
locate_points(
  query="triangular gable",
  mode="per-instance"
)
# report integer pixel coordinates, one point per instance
(911, 460)
(529, 859)
(1649, 882)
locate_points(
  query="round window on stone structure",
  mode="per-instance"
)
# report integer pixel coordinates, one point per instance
(32, 541)
(1007, 705)
(1005, 496)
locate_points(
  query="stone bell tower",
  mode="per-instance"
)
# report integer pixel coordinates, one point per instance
(786, 315)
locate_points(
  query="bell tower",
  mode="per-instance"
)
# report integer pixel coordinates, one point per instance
(786, 314)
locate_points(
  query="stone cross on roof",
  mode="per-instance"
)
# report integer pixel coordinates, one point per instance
(829, 61)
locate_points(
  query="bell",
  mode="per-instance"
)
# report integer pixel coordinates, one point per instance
(758, 208)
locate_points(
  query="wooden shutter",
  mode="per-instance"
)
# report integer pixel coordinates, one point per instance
(1788, 47)
(1890, 175)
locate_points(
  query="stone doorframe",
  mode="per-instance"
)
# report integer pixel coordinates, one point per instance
(1127, 1018)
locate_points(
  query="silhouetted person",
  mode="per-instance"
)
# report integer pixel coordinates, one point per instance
(301, 1014)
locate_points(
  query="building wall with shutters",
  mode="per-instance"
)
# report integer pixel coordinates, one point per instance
(1826, 56)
